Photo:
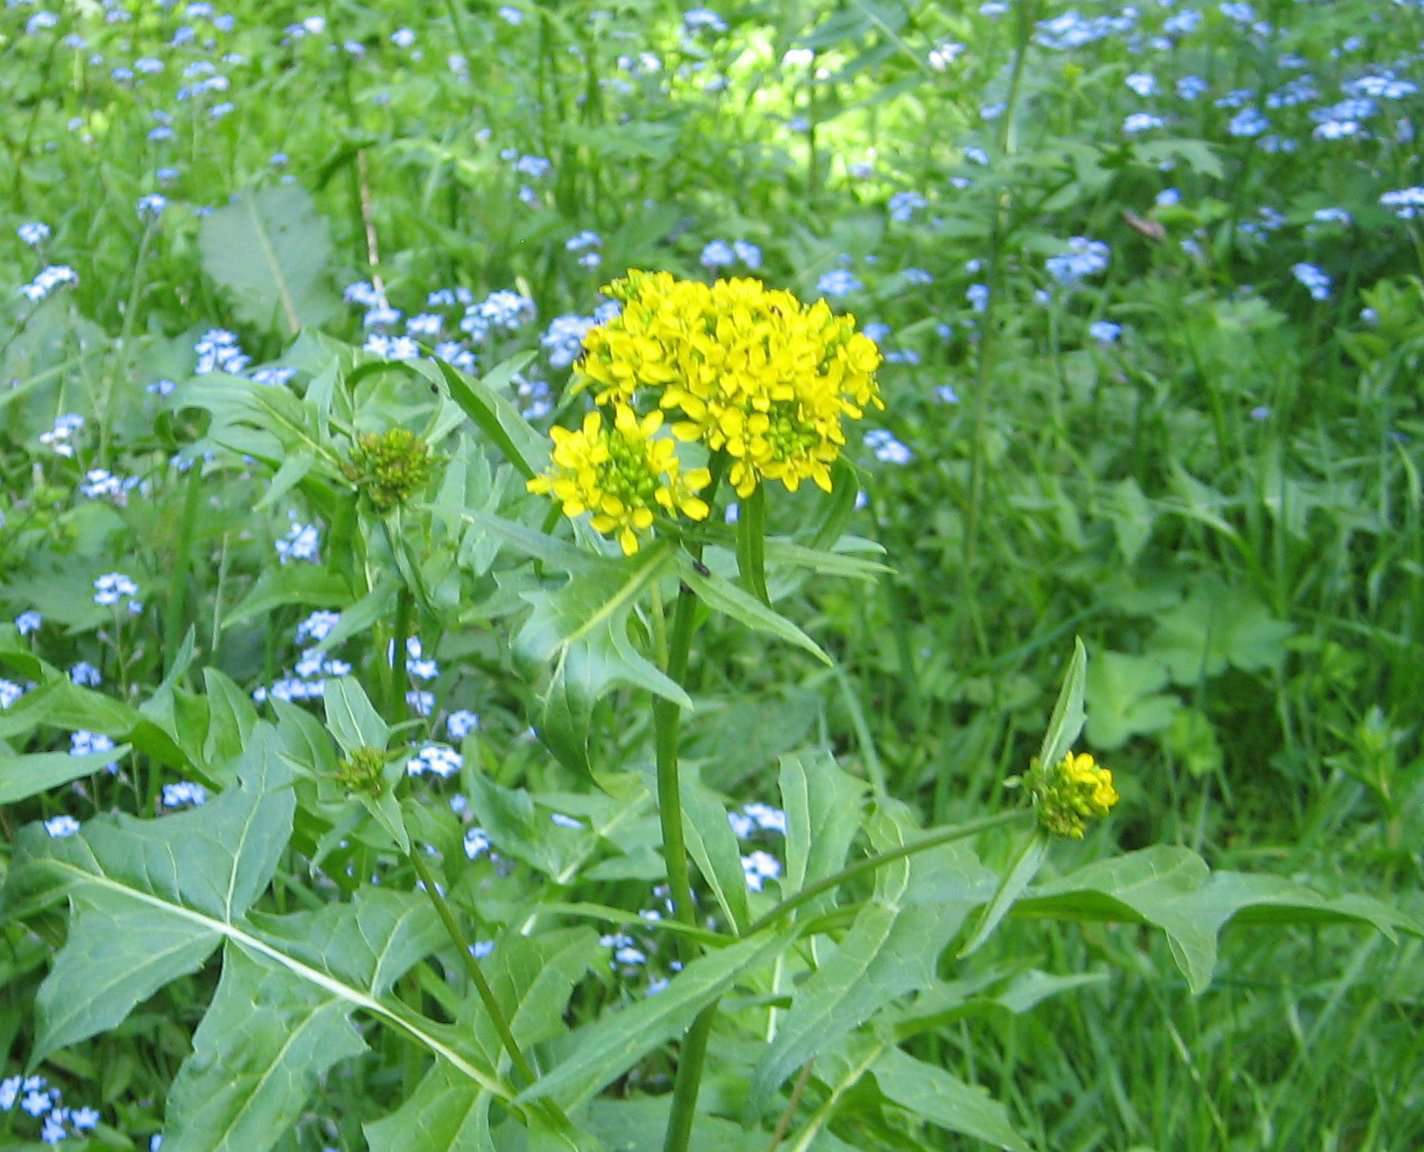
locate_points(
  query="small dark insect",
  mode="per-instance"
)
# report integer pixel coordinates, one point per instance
(702, 569)
(1149, 228)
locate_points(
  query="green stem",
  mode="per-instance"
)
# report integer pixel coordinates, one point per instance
(404, 606)
(690, 1064)
(667, 719)
(472, 967)
(871, 863)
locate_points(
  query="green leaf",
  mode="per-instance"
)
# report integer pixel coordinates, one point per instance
(444, 1114)
(1024, 868)
(639, 1123)
(231, 719)
(1067, 719)
(725, 597)
(945, 1100)
(713, 845)
(1123, 699)
(604, 1050)
(257, 1056)
(986, 993)
(581, 630)
(892, 948)
(1216, 627)
(485, 402)
(1131, 517)
(270, 1031)
(351, 719)
(270, 250)
(823, 808)
(751, 544)
(292, 472)
(24, 776)
(508, 816)
(279, 586)
(151, 899)
(532, 979)
(1172, 889)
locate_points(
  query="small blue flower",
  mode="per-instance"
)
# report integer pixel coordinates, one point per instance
(838, 282)
(1316, 282)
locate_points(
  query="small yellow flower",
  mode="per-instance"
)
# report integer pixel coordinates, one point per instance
(621, 475)
(745, 369)
(1070, 793)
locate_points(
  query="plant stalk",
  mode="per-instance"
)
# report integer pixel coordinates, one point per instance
(667, 721)
(871, 863)
(472, 968)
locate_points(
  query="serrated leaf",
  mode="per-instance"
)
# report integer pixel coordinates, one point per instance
(151, 899)
(823, 808)
(443, 1114)
(257, 1057)
(581, 630)
(1172, 889)
(945, 1100)
(270, 1033)
(24, 776)
(270, 250)
(532, 979)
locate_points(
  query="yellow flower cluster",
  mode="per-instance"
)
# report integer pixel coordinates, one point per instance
(620, 474)
(745, 369)
(1070, 793)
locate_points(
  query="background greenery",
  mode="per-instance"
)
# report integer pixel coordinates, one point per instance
(1219, 491)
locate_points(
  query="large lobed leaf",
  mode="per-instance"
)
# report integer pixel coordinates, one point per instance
(1172, 889)
(152, 900)
(270, 249)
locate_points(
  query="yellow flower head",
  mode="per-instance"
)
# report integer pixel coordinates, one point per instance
(745, 369)
(621, 475)
(1070, 793)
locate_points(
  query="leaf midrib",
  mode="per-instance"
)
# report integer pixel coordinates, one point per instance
(353, 996)
(284, 292)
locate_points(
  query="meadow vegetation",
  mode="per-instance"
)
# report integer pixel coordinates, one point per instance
(802, 575)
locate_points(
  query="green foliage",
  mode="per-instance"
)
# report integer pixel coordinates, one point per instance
(351, 826)
(270, 250)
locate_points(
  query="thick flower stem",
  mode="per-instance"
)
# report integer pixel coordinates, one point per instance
(667, 719)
